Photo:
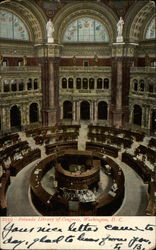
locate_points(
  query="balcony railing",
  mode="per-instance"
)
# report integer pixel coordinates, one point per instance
(143, 69)
(85, 69)
(25, 93)
(8, 69)
(143, 94)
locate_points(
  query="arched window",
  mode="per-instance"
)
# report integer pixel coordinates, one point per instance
(106, 83)
(11, 27)
(135, 85)
(21, 85)
(78, 83)
(14, 86)
(70, 83)
(150, 88)
(137, 115)
(64, 83)
(85, 110)
(35, 83)
(85, 83)
(67, 110)
(6, 86)
(151, 30)
(33, 113)
(102, 110)
(91, 83)
(15, 117)
(29, 84)
(86, 29)
(142, 85)
(99, 83)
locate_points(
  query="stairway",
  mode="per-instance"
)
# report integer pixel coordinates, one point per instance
(82, 138)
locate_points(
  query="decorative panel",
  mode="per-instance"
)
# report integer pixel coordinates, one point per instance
(12, 27)
(86, 30)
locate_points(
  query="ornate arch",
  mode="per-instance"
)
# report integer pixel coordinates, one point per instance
(32, 16)
(142, 12)
(73, 11)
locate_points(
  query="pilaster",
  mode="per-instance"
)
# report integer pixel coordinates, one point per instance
(50, 56)
(122, 59)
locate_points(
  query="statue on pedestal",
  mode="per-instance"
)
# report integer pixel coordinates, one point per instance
(50, 30)
(120, 25)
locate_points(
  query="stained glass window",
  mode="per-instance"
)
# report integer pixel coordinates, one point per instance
(151, 31)
(12, 27)
(86, 30)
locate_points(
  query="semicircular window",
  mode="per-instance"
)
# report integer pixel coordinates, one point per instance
(11, 27)
(86, 30)
(151, 30)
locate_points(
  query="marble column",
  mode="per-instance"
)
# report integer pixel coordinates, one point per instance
(51, 112)
(143, 117)
(118, 109)
(78, 111)
(95, 112)
(74, 111)
(6, 118)
(108, 115)
(122, 58)
(146, 116)
(24, 115)
(92, 111)
(149, 118)
(61, 112)
(4, 125)
(50, 85)
(131, 117)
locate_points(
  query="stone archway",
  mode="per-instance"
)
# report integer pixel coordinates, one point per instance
(32, 16)
(136, 26)
(71, 11)
(102, 110)
(85, 110)
(15, 117)
(33, 113)
(67, 110)
(137, 115)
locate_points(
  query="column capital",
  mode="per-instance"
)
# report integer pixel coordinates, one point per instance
(53, 49)
(48, 49)
(124, 49)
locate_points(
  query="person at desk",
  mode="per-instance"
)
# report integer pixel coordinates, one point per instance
(108, 169)
(7, 162)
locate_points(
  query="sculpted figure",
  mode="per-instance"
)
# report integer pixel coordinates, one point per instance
(50, 30)
(120, 25)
